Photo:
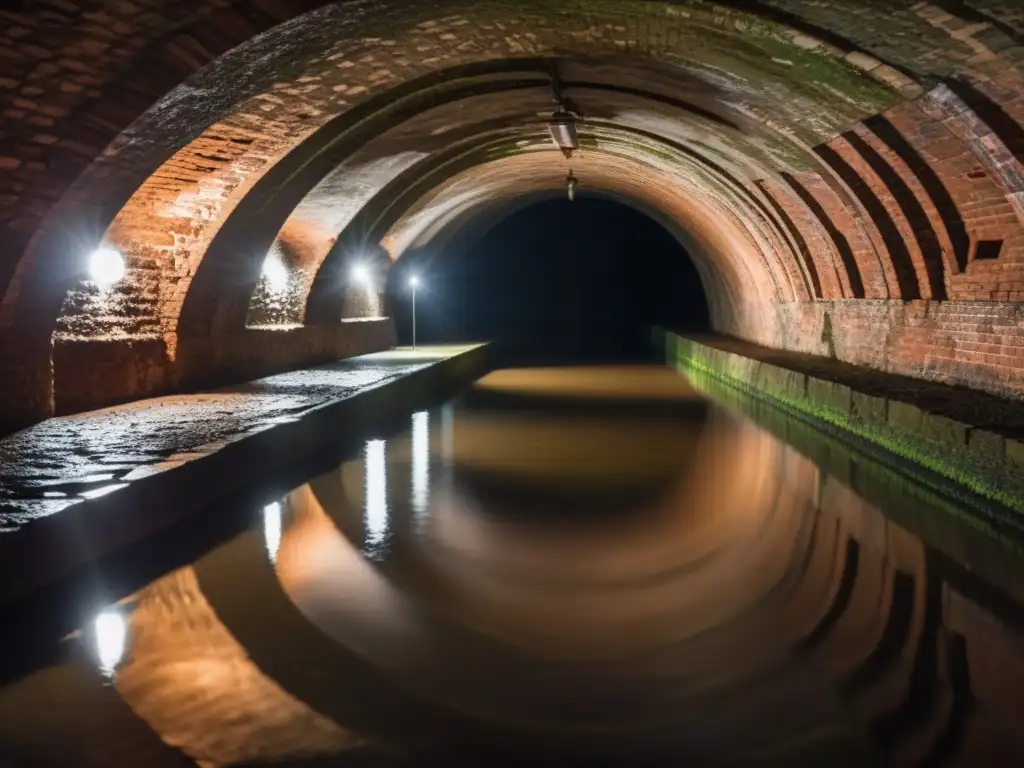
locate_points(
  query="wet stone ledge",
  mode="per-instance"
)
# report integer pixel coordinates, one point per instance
(965, 438)
(76, 488)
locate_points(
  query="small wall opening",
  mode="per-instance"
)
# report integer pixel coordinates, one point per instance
(986, 250)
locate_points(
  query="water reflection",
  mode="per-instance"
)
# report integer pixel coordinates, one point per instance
(447, 422)
(110, 636)
(420, 462)
(272, 529)
(376, 497)
(603, 567)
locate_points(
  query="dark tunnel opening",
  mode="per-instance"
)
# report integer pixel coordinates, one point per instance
(567, 280)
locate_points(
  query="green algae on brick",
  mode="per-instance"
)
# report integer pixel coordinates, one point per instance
(900, 434)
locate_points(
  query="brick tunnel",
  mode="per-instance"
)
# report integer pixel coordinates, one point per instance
(846, 176)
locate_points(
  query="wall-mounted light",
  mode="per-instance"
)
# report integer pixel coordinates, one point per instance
(275, 273)
(361, 274)
(106, 266)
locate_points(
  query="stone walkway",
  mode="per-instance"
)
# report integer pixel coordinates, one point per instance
(63, 461)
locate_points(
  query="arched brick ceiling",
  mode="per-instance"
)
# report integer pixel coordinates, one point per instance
(810, 151)
(725, 247)
(344, 56)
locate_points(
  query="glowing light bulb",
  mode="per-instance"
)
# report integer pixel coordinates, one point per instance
(275, 273)
(414, 282)
(361, 274)
(111, 631)
(106, 266)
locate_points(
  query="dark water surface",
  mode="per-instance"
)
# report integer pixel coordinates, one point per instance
(587, 565)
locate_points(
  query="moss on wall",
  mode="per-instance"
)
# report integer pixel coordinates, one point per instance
(932, 453)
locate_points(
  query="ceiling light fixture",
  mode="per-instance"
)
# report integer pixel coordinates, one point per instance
(562, 125)
(563, 132)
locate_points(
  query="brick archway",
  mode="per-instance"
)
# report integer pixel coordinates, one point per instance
(200, 137)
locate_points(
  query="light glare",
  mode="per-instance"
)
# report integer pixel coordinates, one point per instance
(376, 490)
(272, 529)
(361, 274)
(414, 282)
(111, 633)
(275, 273)
(106, 266)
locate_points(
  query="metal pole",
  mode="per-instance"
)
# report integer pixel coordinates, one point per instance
(414, 317)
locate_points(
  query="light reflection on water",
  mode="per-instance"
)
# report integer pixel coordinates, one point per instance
(376, 496)
(420, 462)
(585, 565)
(110, 634)
(272, 529)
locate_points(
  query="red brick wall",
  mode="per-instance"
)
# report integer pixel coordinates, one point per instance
(810, 239)
(251, 353)
(967, 343)
(892, 236)
(88, 372)
(92, 120)
(925, 201)
(73, 74)
(933, 212)
(862, 274)
(93, 371)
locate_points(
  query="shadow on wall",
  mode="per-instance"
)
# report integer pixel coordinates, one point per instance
(584, 280)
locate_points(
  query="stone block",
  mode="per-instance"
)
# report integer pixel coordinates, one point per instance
(747, 369)
(1015, 459)
(767, 380)
(944, 431)
(905, 418)
(752, 373)
(868, 409)
(863, 61)
(740, 368)
(790, 385)
(829, 395)
(986, 447)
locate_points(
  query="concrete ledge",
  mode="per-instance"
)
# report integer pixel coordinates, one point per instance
(158, 482)
(987, 461)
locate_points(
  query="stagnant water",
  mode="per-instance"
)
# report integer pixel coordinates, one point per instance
(561, 565)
